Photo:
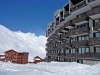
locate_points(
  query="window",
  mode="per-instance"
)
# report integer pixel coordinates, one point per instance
(79, 50)
(83, 50)
(87, 50)
(67, 51)
(97, 50)
(83, 38)
(97, 34)
(79, 38)
(73, 50)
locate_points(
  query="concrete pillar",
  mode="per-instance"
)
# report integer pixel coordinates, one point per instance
(70, 4)
(64, 12)
(91, 33)
(91, 28)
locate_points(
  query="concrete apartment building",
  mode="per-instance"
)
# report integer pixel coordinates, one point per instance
(74, 34)
(16, 57)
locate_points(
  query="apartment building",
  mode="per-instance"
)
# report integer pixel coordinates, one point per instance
(74, 34)
(16, 57)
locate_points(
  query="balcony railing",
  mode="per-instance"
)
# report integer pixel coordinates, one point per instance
(78, 6)
(79, 43)
(94, 41)
(80, 31)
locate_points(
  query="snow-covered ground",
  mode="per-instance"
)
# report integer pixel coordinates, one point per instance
(22, 42)
(53, 68)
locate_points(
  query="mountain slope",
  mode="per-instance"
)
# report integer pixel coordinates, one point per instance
(22, 42)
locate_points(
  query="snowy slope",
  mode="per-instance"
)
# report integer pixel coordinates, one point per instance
(22, 42)
(53, 68)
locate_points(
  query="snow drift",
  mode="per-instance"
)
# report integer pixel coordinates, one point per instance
(53, 68)
(22, 42)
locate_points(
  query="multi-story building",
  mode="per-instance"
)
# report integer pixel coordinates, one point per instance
(74, 34)
(16, 57)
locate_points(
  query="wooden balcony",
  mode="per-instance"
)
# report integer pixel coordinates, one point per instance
(94, 41)
(78, 6)
(79, 43)
(80, 31)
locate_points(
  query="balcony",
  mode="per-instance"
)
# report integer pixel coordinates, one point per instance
(79, 43)
(94, 11)
(80, 31)
(94, 41)
(78, 6)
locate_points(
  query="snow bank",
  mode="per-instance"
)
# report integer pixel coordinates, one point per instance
(24, 42)
(53, 68)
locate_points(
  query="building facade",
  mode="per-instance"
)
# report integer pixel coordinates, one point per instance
(74, 34)
(16, 57)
